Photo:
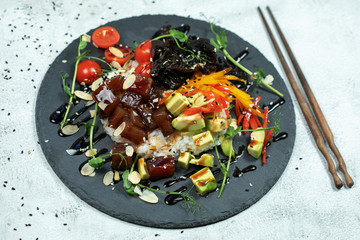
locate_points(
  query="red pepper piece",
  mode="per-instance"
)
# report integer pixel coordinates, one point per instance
(253, 123)
(167, 94)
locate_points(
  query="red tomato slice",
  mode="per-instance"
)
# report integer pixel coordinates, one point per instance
(143, 52)
(88, 71)
(144, 69)
(105, 37)
(126, 51)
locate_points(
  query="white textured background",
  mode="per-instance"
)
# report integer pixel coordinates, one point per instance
(324, 36)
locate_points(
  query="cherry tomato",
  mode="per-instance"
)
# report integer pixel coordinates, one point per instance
(88, 71)
(143, 52)
(105, 37)
(126, 51)
(144, 69)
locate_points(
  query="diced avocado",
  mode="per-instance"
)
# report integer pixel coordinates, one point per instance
(256, 144)
(204, 181)
(192, 98)
(142, 169)
(226, 146)
(184, 160)
(176, 103)
(199, 101)
(217, 125)
(206, 160)
(188, 123)
(203, 138)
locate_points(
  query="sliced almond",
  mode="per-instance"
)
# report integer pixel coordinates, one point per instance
(129, 150)
(116, 176)
(132, 69)
(71, 151)
(83, 95)
(92, 174)
(137, 189)
(149, 197)
(96, 84)
(200, 100)
(70, 129)
(89, 103)
(108, 178)
(119, 130)
(129, 81)
(92, 113)
(134, 177)
(88, 152)
(86, 170)
(102, 105)
(117, 52)
(115, 65)
(85, 38)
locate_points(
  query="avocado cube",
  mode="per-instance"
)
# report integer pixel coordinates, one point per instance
(142, 169)
(255, 146)
(226, 146)
(176, 103)
(184, 160)
(188, 123)
(217, 125)
(206, 160)
(204, 181)
(202, 139)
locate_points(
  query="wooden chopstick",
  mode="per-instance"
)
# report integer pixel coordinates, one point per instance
(314, 105)
(304, 108)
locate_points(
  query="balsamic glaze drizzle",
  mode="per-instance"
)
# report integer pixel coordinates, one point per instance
(172, 199)
(239, 172)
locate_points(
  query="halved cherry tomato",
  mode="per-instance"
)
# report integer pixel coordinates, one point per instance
(143, 52)
(144, 69)
(88, 71)
(126, 51)
(105, 37)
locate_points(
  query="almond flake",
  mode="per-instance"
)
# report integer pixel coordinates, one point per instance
(70, 129)
(88, 152)
(119, 130)
(102, 105)
(137, 189)
(134, 177)
(96, 84)
(85, 38)
(129, 81)
(149, 197)
(116, 176)
(115, 65)
(117, 52)
(86, 170)
(129, 150)
(83, 95)
(108, 178)
(92, 113)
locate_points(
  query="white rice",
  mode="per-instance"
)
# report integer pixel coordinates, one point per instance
(157, 145)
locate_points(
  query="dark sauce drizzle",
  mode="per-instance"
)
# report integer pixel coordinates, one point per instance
(179, 179)
(280, 136)
(172, 199)
(239, 172)
(81, 145)
(273, 105)
(241, 55)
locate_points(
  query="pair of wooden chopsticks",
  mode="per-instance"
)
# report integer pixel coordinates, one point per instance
(315, 130)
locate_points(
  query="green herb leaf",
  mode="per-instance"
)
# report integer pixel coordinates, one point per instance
(215, 44)
(88, 128)
(223, 39)
(82, 45)
(128, 186)
(82, 55)
(96, 162)
(259, 77)
(178, 35)
(65, 87)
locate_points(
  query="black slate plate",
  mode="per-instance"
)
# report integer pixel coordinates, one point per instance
(237, 196)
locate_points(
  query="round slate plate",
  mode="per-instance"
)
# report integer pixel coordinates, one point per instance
(237, 196)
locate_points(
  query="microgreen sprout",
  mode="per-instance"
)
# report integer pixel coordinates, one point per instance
(220, 43)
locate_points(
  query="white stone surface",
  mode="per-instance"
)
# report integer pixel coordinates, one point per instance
(303, 204)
